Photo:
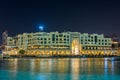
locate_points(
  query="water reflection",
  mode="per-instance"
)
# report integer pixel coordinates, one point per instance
(60, 68)
(75, 69)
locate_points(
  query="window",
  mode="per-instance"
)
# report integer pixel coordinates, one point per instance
(64, 39)
(67, 36)
(48, 41)
(95, 38)
(91, 37)
(41, 42)
(45, 42)
(60, 35)
(81, 42)
(53, 37)
(44, 38)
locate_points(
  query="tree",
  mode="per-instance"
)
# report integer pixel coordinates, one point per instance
(22, 52)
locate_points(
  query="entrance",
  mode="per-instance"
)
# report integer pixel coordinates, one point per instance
(75, 47)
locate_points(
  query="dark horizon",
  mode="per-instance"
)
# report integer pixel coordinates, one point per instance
(78, 16)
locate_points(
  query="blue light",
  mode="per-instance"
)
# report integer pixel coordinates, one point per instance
(41, 28)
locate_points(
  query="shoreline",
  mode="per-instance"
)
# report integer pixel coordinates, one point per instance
(61, 57)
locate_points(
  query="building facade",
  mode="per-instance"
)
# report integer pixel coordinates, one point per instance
(55, 43)
(95, 44)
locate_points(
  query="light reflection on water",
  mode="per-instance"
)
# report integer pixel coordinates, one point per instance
(60, 69)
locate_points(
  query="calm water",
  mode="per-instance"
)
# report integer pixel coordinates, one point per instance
(60, 69)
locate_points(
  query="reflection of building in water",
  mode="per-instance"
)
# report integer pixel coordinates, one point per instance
(50, 65)
(13, 64)
(75, 69)
(73, 66)
(55, 43)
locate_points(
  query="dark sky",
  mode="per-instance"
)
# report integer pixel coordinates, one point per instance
(82, 16)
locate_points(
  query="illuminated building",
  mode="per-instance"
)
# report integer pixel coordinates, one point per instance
(55, 43)
(95, 44)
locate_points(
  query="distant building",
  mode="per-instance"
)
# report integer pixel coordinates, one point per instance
(4, 38)
(55, 43)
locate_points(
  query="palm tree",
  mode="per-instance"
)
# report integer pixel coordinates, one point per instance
(22, 52)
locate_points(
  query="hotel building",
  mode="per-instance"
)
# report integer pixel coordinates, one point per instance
(95, 44)
(55, 43)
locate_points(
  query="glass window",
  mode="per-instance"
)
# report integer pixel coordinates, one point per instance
(60, 35)
(48, 41)
(44, 42)
(67, 36)
(44, 38)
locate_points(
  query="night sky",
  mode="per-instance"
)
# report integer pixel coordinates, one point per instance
(81, 16)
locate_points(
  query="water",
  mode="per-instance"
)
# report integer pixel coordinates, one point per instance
(60, 69)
